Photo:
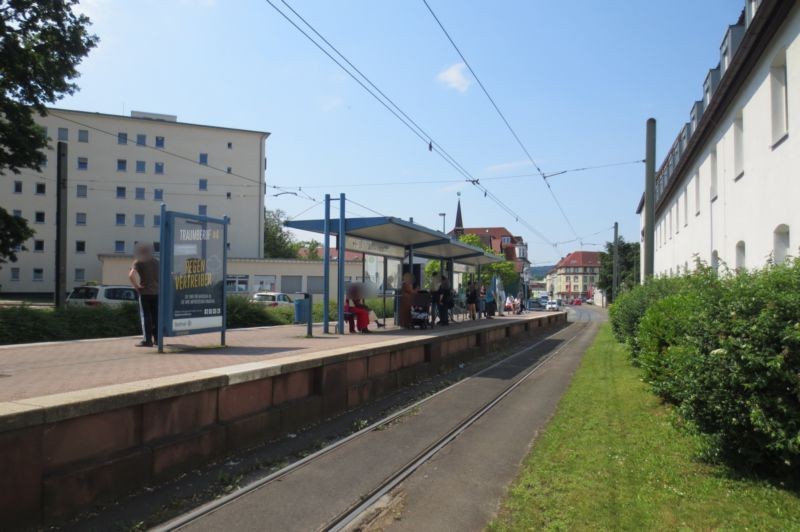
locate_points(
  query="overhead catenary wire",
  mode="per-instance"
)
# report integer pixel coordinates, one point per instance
(503, 118)
(403, 117)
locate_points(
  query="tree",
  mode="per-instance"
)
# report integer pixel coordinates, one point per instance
(41, 44)
(504, 270)
(278, 242)
(312, 248)
(628, 267)
(13, 232)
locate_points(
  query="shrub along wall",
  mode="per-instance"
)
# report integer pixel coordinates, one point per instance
(725, 349)
(27, 324)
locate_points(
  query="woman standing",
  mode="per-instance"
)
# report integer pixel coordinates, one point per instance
(407, 292)
(444, 299)
(472, 300)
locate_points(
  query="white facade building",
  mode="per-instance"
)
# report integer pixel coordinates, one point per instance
(120, 170)
(728, 191)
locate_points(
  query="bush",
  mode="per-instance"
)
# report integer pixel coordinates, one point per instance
(726, 350)
(27, 324)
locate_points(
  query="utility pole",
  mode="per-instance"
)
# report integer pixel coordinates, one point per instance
(61, 226)
(649, 200)
(615, 268)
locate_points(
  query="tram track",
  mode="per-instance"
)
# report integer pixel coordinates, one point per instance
(354, 512)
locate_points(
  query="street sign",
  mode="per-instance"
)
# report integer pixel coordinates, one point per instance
(193, 267)
(371, 247)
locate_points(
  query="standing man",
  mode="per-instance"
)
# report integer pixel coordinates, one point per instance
(144, 278)
(435, 282)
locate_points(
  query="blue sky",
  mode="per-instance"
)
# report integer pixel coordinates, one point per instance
(577, 80)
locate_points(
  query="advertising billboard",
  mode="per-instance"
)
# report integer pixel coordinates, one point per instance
(193, 269)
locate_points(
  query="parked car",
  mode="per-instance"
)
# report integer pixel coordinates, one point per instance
(272, 299)
(102, 295)
(552, 305)
(590, 301)
(535, 304)
(576, 301)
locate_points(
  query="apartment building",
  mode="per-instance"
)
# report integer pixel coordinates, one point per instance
(120, 170)
(575, 275)
(727, 191)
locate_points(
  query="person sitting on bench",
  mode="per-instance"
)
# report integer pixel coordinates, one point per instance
(354, 304)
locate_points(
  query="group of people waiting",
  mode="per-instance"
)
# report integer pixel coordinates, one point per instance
(442, 299)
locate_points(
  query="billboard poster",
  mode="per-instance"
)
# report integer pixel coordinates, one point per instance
(193, 257)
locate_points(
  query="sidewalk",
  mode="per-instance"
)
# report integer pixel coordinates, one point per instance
(32, 370)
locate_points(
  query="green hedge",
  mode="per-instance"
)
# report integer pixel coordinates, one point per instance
(726, 351)
(26, 324)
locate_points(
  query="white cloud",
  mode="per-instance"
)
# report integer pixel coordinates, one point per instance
(454, 78)
(505, 167)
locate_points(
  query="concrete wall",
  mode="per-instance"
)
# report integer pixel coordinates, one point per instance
(59, 457)
(115, 271)
(179, 181)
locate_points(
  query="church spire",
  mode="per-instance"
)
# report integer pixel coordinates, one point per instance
(458, 229)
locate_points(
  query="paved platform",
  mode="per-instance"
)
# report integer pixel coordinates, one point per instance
(33, 370)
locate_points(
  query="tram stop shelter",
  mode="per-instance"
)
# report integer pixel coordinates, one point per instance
(391, 239)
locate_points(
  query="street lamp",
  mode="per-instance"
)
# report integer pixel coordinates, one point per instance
(443, 215)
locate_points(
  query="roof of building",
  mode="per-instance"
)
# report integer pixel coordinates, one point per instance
(140, 116)
(580, 259)
(459, 219)
(769, 17)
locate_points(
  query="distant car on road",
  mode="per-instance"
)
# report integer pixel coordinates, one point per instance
(272, 299)
(590, 301)
(552, 305)
(576, 301)
(92, 296)
(535, 304)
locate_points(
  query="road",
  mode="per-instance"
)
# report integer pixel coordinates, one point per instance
(458, 487)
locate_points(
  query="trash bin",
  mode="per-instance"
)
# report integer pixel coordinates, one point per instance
(300, 310)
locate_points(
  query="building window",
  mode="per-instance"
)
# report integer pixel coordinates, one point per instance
(122, 165)
(119, 246)
(139, 193)
(141, 166)
(83, 135)
(80, 275)
(158, 194)
(138, 220)
(230, 145)
(120, 218)
(83, 163)
(82, 191)
(41, 189)
(779, 97)
(780, 248)
(237, 283)
(80, 218)
(39, 217)
(738, 146)
(712, 169)
(17, 213)
(685, 206)
(44, 161)
(38, 245)
(63, 133)
(156, 220)
(203, 158)
(227, 195)
(80, 246)
(229, 169)
(202, 210)
(159, 142)
(159, 168)
(740, 255)
(141, 139)
(17, 187)
(38, 274)
(157, 247)
(121, 192)
(203, 184)
(15, 274)
(122, 138)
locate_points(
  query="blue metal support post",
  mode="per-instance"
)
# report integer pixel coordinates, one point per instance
(163, 274)
(340, 264)
(326, 267)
